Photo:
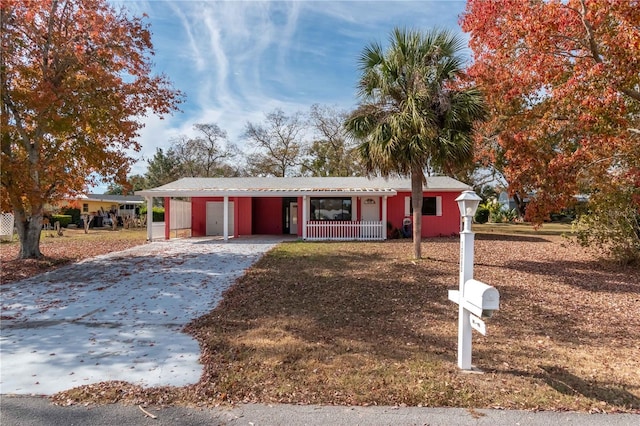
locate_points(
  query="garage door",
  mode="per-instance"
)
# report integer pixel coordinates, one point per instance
(215, 218)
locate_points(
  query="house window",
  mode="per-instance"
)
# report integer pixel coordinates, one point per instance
(335, 208)
(85, 208)
(431, 206)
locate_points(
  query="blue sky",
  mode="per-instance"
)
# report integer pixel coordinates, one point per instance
(237, 60)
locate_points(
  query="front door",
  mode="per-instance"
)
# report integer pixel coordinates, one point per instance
(293, 218)
(370, 208)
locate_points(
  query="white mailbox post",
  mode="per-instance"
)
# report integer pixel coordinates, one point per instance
(474, 298)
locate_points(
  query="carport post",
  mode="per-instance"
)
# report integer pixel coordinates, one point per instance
(167, 218)
(225, 220)
(304, 217)
(384, 217)
(149, 218)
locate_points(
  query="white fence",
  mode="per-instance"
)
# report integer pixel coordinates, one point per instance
(6, 226)
(157, 231)
(179, 221)
(179, 214)
(345, 231)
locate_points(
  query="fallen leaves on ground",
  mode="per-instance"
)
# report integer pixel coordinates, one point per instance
(364, 324)
(58, 251)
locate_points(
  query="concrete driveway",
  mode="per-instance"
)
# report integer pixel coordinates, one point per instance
(118, 316)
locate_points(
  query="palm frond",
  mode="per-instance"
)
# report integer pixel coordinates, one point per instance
(409, 116)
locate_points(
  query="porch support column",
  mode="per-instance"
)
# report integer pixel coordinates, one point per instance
(236, 217)
(149, 218)
(384, 217)
(167, 218)
(354, 208)
(225, 221)
(304, 217)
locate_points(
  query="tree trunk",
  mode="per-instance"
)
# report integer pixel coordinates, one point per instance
(86, 221)
(417, 177)
(520, 205)
(29, 234)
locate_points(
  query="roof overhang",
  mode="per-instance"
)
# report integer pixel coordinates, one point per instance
(297, 187)
(104, 199)
(217, 192)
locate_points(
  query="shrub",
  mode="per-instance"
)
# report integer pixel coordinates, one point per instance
(64, 219)
(482, 214)
(74, 213)
(505, 216)
(612, 224)
(493, 208)
(158, 213)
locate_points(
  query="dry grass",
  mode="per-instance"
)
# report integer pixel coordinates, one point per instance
(362, 323)
(554, 228)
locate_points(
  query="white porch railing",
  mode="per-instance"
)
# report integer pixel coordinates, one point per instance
(345, 231)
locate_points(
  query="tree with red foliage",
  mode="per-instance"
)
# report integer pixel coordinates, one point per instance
(75, 78)
(562, 79)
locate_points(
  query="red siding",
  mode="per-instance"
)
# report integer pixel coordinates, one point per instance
(199, 215)
(241, 215)
(395, 210)
(244, 213)
(267, 216)
(449, 223)
(432, 226)
(264, 215)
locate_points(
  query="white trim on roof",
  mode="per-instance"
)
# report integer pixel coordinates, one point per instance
(216, 192)
(297, 186)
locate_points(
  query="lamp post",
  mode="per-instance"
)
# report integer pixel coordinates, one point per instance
(468, 203)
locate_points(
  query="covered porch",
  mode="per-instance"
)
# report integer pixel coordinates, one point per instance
(368, 211)
(312, 214)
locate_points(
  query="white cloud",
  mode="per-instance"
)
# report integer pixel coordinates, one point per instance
(237, 60)
(197, 55)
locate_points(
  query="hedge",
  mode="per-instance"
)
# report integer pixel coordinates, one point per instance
(73, 212)
(158, 213)
(482, 215)
(64, 219)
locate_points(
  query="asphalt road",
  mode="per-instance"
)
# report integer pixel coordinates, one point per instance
(36, 411)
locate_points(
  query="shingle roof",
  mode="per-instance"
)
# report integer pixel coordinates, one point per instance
(295, 186)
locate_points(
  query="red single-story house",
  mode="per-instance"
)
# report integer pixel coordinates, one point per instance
(313, 208)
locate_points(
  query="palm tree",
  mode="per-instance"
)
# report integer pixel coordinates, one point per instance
(414, 112)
